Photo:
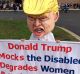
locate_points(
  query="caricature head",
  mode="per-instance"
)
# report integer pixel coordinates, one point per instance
(41, 15)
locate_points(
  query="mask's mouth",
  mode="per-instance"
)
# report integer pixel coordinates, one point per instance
(38, 31)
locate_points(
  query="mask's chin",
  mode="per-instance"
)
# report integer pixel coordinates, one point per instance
(39, 32)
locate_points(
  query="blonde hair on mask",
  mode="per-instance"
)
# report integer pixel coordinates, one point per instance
(36, 7)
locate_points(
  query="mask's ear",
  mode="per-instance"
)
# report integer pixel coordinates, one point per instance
(56, 16)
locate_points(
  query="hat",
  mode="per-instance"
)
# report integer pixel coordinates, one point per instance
(36, 7)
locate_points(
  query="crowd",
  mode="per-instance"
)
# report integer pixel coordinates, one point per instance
(70, 6)
(65, 7)
(6, 5)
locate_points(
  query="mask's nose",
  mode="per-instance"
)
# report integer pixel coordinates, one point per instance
(37, 22)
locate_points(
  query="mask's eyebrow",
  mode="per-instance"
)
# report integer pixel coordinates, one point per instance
(38, 16)
(44, 15)
(29, 16)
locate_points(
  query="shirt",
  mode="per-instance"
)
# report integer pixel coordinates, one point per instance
(47, 37)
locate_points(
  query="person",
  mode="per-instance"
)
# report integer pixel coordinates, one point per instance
(41, 18)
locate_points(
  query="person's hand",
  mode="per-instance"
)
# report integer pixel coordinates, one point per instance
(22, 40)
(57, 41)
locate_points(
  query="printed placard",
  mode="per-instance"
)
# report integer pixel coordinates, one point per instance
(38, 57)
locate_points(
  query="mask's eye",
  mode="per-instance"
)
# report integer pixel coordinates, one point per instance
(30, 18)
(44, 18)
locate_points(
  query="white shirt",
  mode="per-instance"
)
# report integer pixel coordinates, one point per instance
(47, 37)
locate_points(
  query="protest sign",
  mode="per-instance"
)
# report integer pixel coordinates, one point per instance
(38, 57)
